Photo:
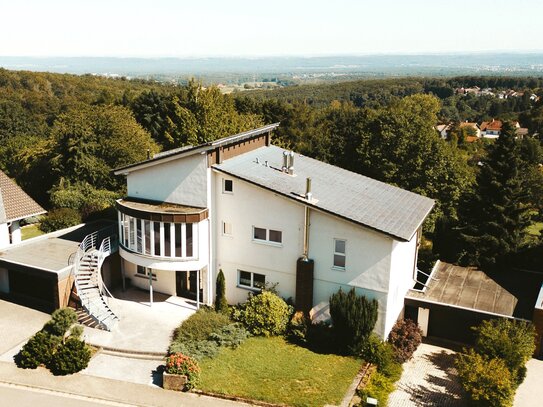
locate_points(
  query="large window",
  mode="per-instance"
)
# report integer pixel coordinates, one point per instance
(339, 253)
(162, 239)
(267, 235)
(251, 280)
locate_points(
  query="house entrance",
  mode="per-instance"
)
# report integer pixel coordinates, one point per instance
(186, 284)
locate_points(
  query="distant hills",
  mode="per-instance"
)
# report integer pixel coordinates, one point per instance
(512, 64)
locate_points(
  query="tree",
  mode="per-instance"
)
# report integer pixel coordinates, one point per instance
(496, 215)
(221, 305)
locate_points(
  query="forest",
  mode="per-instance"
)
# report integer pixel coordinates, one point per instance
(61, 135)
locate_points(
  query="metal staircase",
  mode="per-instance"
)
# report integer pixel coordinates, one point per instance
(91, 290)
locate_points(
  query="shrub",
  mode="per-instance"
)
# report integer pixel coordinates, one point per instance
(379, 387)
(37, 351)
(184, 365)
(405, 337)
(320, 338)
(221, 304)
(70, 357)
(265, 314)
(230, 336)
(353, 319)
(59, 219)
(197, 350)
(297, 328)
(200, 325)
(382, 354)
(487, 382)
(512, 341)
(61, 320)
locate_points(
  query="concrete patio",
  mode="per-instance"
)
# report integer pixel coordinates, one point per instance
(142, 328)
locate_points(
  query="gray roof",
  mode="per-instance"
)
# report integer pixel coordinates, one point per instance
(354, 197)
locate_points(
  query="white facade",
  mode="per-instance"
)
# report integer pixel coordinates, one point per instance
(10, 233)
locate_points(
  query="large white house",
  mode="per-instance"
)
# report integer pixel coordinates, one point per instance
(262, 214)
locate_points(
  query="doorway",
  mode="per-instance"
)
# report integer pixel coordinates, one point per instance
(186, 284)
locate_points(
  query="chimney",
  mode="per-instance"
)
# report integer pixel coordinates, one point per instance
(285, 161)
(291, 163)
(308, 193)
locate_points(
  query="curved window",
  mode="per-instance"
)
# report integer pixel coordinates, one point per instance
(161, 239)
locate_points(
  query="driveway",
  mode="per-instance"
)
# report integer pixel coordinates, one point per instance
(530, 392)
(428, 379)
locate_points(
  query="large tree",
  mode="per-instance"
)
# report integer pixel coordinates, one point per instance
(496, 213)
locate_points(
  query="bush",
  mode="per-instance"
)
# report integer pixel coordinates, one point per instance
(184, 365)
(512, 341)
(221, 304)
(379, 387)
(230, 336)
(59, 219)
(70, 357)
(487, 382)
(353, 319)
(382, 354)
(197, 350)
(61, 320)
(200, 325)
(37, 351)
(265, 314)
(405, 337)
(297, 328)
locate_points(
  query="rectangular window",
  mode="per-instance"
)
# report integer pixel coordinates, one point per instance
(251, 280)
(227, 229)
(265, 235)
(138, 236)
(167, 241)
(156, 236)
(147, 232)
(178, 240)
(189, 239)
(141, 270)
(227, 186)
(339, 253)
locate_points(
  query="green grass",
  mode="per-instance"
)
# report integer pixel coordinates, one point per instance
(273, 370)
(30, 231)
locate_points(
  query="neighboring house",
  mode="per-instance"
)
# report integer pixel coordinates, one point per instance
(265, 215)
(491, 129)
(475, 126)
(15, 205)
(443, 130)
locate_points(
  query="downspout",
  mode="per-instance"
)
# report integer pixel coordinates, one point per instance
(307, 219)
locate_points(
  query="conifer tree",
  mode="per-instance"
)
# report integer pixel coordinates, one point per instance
(496, 215)
(221, 304)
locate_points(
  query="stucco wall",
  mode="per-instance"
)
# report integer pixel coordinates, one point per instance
(164, 283)
(4, 235)
(180, 181)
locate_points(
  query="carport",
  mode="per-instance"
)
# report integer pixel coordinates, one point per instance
(455, 298)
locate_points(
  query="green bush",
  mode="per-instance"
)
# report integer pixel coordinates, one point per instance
(61, 320)
(230, 336)
(200, 325)
(487, 382)
(198, 350)
(71, 357)
(265, 314)
(59, 219)
(184, 365)
(221, 304)
(353, 319)
(513, 341)
(297, 328)
(37, 351)
(405, 337)
(379, 387)
(83, 198)
(382, 354)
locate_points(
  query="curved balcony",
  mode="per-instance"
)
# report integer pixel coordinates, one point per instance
(160, 231)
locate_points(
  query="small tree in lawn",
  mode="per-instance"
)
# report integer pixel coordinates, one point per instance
(353, 319)
(221, 304)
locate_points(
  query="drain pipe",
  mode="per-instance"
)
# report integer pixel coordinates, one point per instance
(307, 218)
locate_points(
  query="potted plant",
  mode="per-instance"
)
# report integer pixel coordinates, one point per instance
(181, 374)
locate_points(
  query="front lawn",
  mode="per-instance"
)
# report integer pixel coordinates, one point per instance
(273, 370)
(30, 231)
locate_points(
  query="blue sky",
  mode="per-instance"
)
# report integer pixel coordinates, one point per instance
(151, 28)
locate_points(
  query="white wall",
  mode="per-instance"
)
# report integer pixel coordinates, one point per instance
(401, 279)
(180, 181)
(15, 230)
(4, 235)
(164, 283)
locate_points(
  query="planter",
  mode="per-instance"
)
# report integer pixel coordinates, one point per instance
(173, 381)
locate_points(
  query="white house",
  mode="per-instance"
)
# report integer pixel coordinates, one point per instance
(263, 214)
(15, 205)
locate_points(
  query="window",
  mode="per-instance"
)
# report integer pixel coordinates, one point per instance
(265, 235)
(188, 234)
(167, 240)
(251, 280)
(227, 229)
(178, 230)
(339, 253)
(156, 236)
(227, 186)
(141, 271)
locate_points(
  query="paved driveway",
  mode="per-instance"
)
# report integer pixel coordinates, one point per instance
(428, 379)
